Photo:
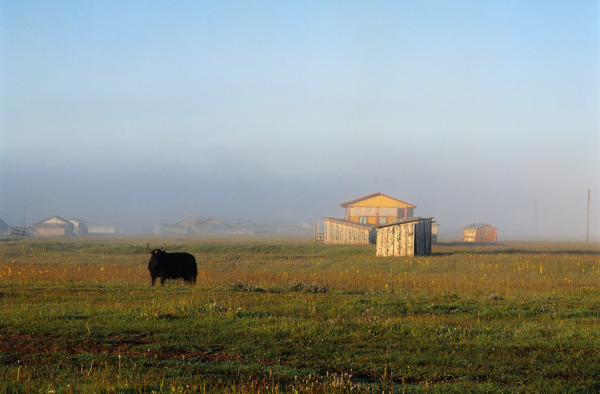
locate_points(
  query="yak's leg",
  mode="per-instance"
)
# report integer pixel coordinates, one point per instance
(153, 280)
(162, 280)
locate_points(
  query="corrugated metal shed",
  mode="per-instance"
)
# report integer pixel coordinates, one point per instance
(410, 237)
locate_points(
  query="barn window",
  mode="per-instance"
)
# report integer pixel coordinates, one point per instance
(401, 213)
(362, 219)
(383, 220)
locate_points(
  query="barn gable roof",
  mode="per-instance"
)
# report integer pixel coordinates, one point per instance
(54, 220)
(380, 198)
(479, 225)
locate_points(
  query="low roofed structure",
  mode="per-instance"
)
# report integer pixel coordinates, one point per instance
(53, 226)
(480, 232)
(341, 231)
(195, 225)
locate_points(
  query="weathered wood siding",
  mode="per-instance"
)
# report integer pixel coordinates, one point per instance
(410, 238)
(349, 233)
(423, 237)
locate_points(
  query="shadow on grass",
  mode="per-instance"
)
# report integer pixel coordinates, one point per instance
(512, 248)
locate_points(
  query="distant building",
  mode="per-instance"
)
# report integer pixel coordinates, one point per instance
(103, 229)
(377, 209)
(53, 226)
(4, 230)
(194, 225)
(79, 226)
(480, 232)
(411, 237)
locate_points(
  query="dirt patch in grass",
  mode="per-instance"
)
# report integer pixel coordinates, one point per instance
(28, 348)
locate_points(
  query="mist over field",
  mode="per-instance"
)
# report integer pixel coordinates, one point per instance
(136, 113)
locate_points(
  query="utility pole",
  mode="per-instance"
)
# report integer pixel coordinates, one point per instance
(587, 222)
(24, 228)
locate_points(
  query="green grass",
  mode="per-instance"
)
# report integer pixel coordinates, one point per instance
(284, 315)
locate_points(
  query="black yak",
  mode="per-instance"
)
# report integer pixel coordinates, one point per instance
(165, 266)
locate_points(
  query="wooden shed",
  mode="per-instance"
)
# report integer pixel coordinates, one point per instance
(340, 231)
(53, 226)
(377, 209)
(480, 232)
(410, 237)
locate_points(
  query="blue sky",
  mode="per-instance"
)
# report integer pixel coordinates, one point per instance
(258, 110)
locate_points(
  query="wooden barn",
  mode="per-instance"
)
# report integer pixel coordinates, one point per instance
(410, 237)
(377, 209)
(340, 231)
(362, 216)
(53, 226)
(480, 232)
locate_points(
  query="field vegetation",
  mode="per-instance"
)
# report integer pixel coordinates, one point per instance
(283, 315)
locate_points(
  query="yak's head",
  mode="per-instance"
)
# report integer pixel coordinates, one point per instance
(156, 252)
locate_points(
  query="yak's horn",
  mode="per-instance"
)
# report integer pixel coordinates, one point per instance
(148, 247)
(164, 247)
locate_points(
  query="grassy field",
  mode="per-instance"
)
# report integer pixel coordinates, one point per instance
(273, 315)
